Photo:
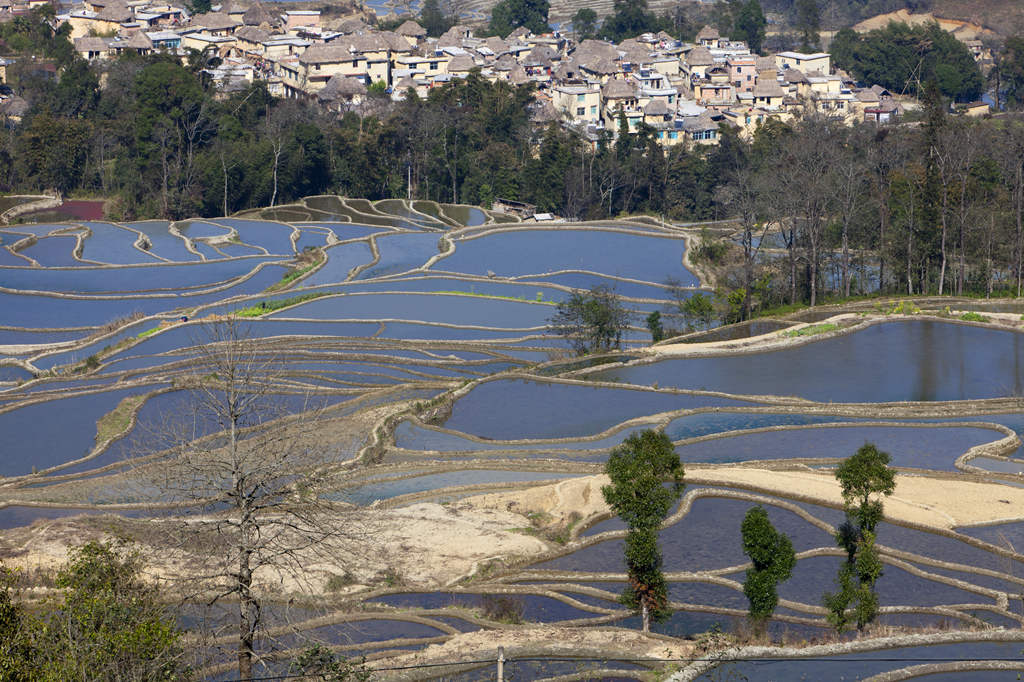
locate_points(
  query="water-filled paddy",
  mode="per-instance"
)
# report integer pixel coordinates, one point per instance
(162, 241)
(518, 408)
(113, 244)
(401, 252)
(30, 442)
(276, 238)
(52, 252)
(919, 360)
(926, 448)
(358, 364)
(130, 278)
(864, 664)
(383, 490)
(534, 252)
(442, 308)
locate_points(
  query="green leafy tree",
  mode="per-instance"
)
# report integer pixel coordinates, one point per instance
(435, 22)
(584, 23)
(639, 469)
(508, 15)
(53, 151)
(630, 19)
(903, 58)
(16, 653)
(655, 327)
(109, 624)
(863, 477)
(808, 24)
(697, 311)
(748, 24)
(1010, 70)
(591, 321)
(773, 558)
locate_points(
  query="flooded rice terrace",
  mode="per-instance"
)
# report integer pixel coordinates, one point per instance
(376, 313)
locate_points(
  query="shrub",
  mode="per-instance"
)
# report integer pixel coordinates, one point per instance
(973, 317)
(502, 608)
(337, 582)
(709, 250)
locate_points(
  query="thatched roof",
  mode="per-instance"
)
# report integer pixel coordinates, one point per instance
(657, 107)
(91, 44)
(215, 21)
(700, 56)
(768, 88)
(341, 87)
(258, 15)
(591, 49)
(116, 11)
(461, 63)
(618, 89)
(708, 33)
(139, 41)
(601, 66)
(411, 29)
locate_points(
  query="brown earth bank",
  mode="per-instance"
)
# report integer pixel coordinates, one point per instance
(573, 642)
(427, 545)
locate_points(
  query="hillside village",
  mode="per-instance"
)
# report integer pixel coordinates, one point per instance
(683, 91)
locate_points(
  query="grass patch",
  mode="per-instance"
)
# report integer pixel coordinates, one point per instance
(264, 307)
(522, 299)
(336, 582)
(973, 317)
(812, 330)
(117, 420)
(149, 332)
(308, 260)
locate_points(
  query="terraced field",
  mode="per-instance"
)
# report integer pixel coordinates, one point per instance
(423, 340)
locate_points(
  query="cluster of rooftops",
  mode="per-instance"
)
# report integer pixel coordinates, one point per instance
(681, 91)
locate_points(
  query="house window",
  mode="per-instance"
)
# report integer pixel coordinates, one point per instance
(593, 110)
(580, 98)
(317, 67)
(673, 135)
(580, 111)
(748, 78)
(433, 66)
(671, 99)
(661, 134)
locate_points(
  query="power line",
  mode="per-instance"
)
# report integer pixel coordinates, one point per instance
(713, 659)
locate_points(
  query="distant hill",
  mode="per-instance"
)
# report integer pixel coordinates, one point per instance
(965, 30)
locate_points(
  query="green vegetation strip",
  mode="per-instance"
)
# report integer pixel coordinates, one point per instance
(117, 420)
(296, 273)
(521, 299)
(264, 307)
(812, 330)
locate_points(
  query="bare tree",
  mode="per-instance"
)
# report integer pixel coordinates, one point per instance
(1010, 157)
(802, 191)
(849, 180)
(744, 195)
(255, 475)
